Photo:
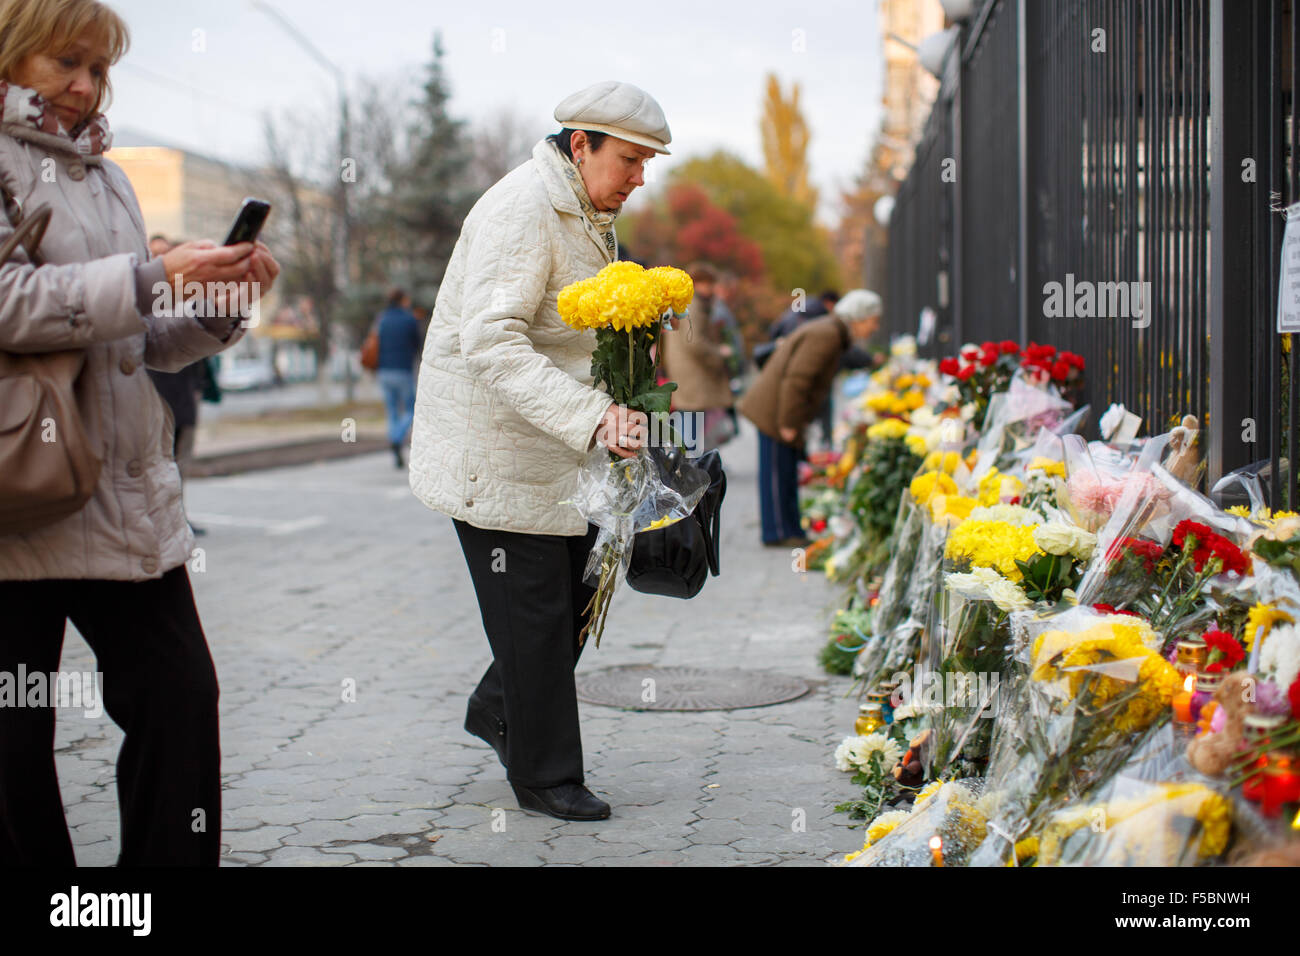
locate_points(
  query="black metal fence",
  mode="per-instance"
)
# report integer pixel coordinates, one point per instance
(1118, 166)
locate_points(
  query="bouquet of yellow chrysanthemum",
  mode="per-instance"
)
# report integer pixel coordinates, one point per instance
(627, 306)
(1090, 689)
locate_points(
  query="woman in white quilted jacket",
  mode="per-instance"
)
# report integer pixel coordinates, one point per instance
(505, 414)
(115, 567)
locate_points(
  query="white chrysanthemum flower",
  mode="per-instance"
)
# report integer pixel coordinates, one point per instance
(842, 755)
(854, 753)
(1280, 655)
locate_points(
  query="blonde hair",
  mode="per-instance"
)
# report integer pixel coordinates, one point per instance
(51, 26)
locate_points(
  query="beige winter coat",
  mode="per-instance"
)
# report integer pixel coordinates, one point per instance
(134, 527)
(505, 410)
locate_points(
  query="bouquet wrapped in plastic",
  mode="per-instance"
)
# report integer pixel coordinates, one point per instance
(627, 306)
(944, 826)
(1090, 688)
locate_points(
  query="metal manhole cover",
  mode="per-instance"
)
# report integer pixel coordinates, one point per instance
(641, 687)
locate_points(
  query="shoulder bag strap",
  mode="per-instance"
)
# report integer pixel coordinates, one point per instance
(29, 231)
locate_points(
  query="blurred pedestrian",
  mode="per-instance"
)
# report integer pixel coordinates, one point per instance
(793, 317)
(696, 358)
(400, 340)
(506, 414)
(787, 396)
(115, 567)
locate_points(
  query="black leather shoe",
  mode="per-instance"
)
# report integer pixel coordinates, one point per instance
(484, 724)
(568, 801)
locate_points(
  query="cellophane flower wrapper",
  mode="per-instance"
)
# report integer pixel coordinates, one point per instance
(965, 651)
(1014, 420)
(1155, 811)
(1088, 690)
(914, 575)
(627, 495)
(1127, 571)
(956, 813)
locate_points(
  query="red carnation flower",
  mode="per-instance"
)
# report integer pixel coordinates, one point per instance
(966, 372)
(1060, 370)
(989, 355)
(1148, 551)
(950, 366)
(1008, 347)
(1074, 359)
(1230, 652)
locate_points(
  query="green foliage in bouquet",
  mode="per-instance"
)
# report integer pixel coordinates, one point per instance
(848, 633)
(1283, 553)
(1047, 576)
(889, 466)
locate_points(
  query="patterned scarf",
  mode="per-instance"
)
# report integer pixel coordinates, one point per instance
(24, 108)
(603, 221)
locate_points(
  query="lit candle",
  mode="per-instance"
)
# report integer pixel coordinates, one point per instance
(1183, 701)
(936, 849)
(1281, 784)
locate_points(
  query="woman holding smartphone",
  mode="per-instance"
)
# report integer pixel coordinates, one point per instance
(116, 567)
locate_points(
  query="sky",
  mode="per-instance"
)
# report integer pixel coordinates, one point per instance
(201, 74)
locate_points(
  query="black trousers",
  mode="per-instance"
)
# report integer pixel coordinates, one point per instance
(531, 596)
(159, 686)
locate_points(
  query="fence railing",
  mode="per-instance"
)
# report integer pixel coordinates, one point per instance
(1105, 175)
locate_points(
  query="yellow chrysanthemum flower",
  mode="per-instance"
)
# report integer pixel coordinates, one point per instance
(882, 403)
(912, 399)
(1260, 621)
(1047, 466)
(922, 381)
(946, 461)
(1241, 511)
(951, 508)
(1026, 849)
(889, 428)
(929, 484)
(916, 445)
(993, 544)
(676, 288)
(903, 382)
(995, 486)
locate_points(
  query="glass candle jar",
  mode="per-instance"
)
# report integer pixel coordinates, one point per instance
(1255, 732)
(1206, 685)
(869, 719)
(880, 698)
(1192, 656)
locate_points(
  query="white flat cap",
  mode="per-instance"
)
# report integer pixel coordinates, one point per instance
(619, 109)
(858, 305)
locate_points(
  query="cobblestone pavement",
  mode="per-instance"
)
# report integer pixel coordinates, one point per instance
(327, 574)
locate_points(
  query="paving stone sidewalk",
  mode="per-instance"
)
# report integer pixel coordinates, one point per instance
(325, 577)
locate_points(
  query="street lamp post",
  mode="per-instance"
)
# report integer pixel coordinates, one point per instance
(342, 234)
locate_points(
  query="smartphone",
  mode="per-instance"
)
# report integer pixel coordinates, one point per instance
(248, 223)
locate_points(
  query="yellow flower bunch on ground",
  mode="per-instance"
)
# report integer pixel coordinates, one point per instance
(952, 509)
(880, 828)
(1091, 659)
(928, 484)
(624, 296)
(1260, 621)
(945, 461)
(1143, 830)
(992, 544)
(889, 428)
(995, 487)
(1047, 466)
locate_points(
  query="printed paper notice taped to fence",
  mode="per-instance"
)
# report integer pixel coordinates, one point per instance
(1288, 283)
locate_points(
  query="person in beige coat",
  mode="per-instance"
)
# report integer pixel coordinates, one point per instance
(116, 567)
(695, 357)
(506, 412)
(787, 396)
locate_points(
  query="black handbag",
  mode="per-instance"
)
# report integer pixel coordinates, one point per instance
(676, 560)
